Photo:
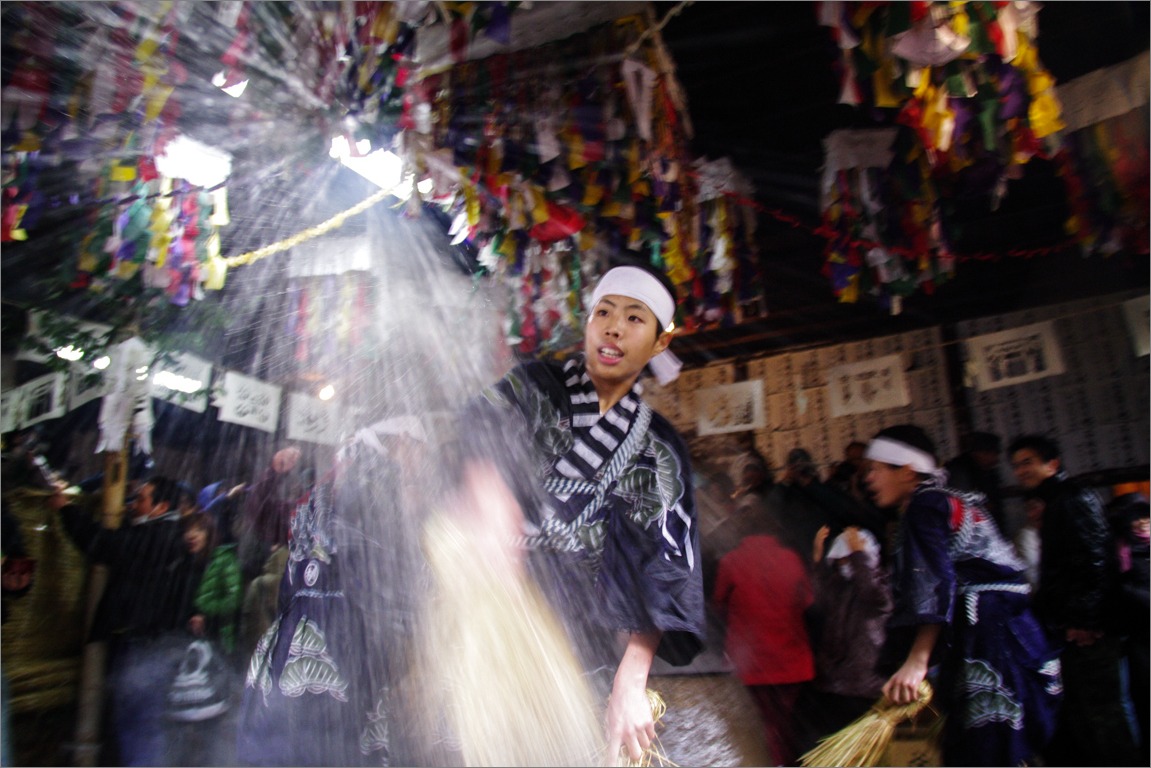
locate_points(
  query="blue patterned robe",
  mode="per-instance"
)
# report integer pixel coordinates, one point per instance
(612, 555)
(998, 678)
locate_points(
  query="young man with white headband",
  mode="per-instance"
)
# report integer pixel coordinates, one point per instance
(603, 502)
(962, 608)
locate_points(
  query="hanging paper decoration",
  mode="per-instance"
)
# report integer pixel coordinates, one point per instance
(566, 155)
(127, 402)
(972, 102)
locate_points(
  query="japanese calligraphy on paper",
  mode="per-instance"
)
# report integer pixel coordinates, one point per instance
(312, 419)
(730, 408)
(249, 402)
(870, 385)
(43, 398)
(1021, 354)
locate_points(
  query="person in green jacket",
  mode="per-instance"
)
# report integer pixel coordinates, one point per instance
(216, 605)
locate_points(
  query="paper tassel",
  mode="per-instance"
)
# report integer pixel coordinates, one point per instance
(665, 367)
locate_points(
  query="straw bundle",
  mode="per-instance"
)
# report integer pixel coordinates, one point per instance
(499, 667)
(653, 755)
(864, 742)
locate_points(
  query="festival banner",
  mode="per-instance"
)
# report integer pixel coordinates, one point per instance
(43, 398)
(183, 379)
(1014, 356)
(312, 420)
(249, 402)
(866, 386)
(730, 408)
(1137, 312)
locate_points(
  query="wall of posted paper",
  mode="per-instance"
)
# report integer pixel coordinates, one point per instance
(1076, 371)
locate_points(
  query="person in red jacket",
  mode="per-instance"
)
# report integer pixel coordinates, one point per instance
(762, 591)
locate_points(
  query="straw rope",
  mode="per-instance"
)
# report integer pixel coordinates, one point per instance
(863, 742)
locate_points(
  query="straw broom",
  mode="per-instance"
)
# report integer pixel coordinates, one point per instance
(863, 742)
(501, 669)
(499, 663)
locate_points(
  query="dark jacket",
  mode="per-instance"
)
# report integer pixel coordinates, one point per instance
(853, 612)
(1077, 568)
(151, 575)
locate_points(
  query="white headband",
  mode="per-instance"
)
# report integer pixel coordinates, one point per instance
(637, 284)
(841, 549)
(901, 454)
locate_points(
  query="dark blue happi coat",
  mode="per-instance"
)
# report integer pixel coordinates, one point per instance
(998, 677)
(611, 518)
(317, 687)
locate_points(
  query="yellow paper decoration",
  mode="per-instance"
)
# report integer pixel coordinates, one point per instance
(593, 193)
(121, 172)
(215, 272)
(575, 152)
(539, 204)
(220, 215)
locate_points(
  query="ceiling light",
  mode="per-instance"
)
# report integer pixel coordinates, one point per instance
(327, 392)
(199, 164)
(101, 363)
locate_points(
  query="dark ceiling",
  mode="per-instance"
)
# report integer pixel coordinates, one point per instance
(763, 88)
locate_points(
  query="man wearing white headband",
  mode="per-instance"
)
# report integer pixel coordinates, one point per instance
(602, 495)
(961, 606)
(644, 303)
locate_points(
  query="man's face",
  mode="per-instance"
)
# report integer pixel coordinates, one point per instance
(142, 502)
(1030, 469)
(622, 336)
(143, 505)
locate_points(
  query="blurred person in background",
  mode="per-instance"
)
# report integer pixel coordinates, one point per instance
(962, 613)
(853, 602)
(762, 593)
(977, 469)
(142, 613)
(1076, 601)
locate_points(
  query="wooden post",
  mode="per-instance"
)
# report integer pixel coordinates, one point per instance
(90, 707)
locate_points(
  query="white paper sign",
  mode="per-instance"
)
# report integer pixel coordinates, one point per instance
(10, 410)
(312, 420)
(184, 380)
(730, 408)
(43, 399)
(85, 384)
(249, 402)
(1137, 311)
(1015, 356)
(866, 386)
